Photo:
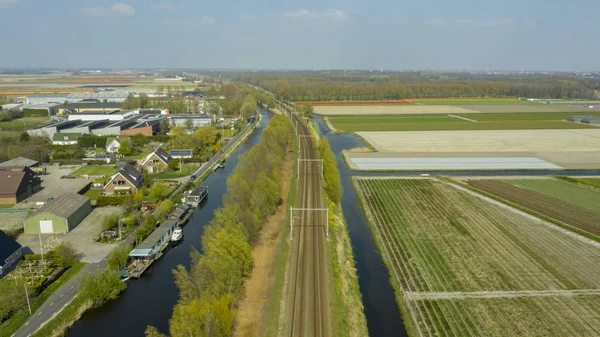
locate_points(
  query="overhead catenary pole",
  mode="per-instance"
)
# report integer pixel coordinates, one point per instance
(291, 220)
(27, 296)
(41, 248)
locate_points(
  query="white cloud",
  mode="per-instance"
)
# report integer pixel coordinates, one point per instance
(162, 6)
(118, 9)
(249, 18)
(123, 9)
(7, 2)
(207, 20)
(335, 14)
(436, 22)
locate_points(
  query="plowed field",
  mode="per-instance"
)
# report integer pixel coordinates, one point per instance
(464, 266)
(571, 214)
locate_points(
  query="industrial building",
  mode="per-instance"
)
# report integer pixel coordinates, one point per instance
(147, 125)
(591, 120)
(10, 253)
(17, 183)
(103, 96)
(89, 106)
(60, 215)
(191, 120)
(48, 99)
(94, 115)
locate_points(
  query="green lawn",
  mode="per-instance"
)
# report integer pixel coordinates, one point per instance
(490, 101)
(187, 170)
(571, 193)
(92, 170)
(93, 193)
(542, 116)
(22, 124)
(10, 326)
(592, 182)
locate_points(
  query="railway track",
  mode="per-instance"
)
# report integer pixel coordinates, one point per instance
(307, 303)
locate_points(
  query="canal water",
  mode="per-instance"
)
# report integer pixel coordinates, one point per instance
(150, 299)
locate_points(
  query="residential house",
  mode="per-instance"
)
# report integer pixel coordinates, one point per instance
(156, 161)
(17, 183)
(10, 253)
(127, 181)
(113, 144)
(65, 138)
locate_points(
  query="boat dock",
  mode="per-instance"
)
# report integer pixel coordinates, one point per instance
(151, 249)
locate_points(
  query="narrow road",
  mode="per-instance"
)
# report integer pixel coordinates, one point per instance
(307, 310)
(65, 294)
(217, 157)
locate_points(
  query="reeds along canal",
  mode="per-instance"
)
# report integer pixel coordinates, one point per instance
(150, 299)
(381, 309)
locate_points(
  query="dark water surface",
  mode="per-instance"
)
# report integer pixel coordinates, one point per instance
(150, 299)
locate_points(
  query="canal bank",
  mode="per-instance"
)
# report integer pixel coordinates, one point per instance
(150, 300)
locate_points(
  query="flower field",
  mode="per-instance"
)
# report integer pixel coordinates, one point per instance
(463, 266)
(356, 102)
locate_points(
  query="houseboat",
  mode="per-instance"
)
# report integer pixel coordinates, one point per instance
(151, 249)
(195, 196)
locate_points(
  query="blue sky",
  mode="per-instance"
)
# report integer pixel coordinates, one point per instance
(285, 34)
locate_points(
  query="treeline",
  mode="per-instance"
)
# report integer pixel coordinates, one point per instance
(209, 291)
(333, 182)
(338, 91)
(23, 145)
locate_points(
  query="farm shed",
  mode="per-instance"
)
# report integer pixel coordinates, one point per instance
(591, 120)
(21, 161)
(60, 215)
(17, 183)
(10, 253)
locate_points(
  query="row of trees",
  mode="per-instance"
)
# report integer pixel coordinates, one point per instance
(209, 291)
(202, 141)
(333, 182)
(15, 145)
(328, 88)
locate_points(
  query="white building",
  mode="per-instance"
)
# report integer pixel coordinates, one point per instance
(114, 115)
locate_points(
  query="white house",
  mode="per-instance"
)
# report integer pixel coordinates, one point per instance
(113, 144)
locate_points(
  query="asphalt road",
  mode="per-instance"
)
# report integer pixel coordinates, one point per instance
(65, 294)
(216, 158)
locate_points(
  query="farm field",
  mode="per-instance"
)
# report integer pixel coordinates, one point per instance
(591, 182)
(95, 171)
(419, 109)
(567, 192)
(582, 217)
(469, 101)
(548, 116)
(488, 141)
(463, 266)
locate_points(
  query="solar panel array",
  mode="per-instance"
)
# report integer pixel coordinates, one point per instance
(181, 154)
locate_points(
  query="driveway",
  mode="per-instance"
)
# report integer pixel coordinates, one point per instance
(81, 237)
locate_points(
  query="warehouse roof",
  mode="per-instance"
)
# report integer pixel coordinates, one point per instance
(93, 105)
(8, 246)
(10, 181)
(20, 161)
(99, 95)
(64, 205)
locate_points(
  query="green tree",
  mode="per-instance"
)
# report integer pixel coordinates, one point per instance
(173, 164)
(66, 255)
(24, 137)
(153, 332)
(158, 191)
(118, 257)
(126, 148)
(102, 286)
(333, 186)
(308, 110)
(163, 208)
(164, 127)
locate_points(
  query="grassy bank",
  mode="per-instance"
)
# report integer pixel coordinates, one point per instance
(348, 309)
(58, 326)
(273, 311)
(14, 323)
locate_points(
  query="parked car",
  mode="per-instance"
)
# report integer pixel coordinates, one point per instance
(193, 177)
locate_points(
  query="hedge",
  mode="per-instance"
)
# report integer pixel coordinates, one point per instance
(104, 200)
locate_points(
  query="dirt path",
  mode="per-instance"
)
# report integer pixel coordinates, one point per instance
(258, 286)
(415, 296)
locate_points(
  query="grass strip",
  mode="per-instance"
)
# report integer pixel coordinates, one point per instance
(13, 324)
